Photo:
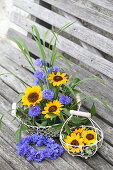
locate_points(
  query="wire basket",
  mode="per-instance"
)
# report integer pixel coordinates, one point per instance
(84, 151)
(49, 131)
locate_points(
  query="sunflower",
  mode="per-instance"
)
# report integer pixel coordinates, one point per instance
(32, 96)
(79, 130)
(52, 107)
(89, 136)
(57, 79)
(76, 141)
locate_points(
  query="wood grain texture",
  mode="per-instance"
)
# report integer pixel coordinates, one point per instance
(100, 64)
(89, 15)
(84, 34)
(108, 4)
(4, 165)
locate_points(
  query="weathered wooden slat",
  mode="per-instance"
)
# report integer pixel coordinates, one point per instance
(67, 46)
(102, 161)
(108, 4)
(84, 34)
(4, 165)
(93, 17)
(9, 154)
(78, 72)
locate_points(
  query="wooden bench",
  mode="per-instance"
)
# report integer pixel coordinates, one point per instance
(88, 43)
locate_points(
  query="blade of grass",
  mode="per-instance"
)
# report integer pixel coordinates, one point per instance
(16, 77)
(22, 50)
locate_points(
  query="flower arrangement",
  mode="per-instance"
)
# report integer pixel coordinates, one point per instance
(45, 107)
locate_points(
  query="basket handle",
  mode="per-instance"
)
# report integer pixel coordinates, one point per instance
(81, 114)
(13, 112)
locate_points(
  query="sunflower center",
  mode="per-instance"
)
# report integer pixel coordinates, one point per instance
(33, 97)
(52, 109)
(57, 78)
(90, 136)
(75, 142)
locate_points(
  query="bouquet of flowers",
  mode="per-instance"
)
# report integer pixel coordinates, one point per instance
(45, 107)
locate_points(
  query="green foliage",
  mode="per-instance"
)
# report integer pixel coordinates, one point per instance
(24, 50)
(93, 110)
(1, 121)
(67, 129)
(52, 115)
(18, 133)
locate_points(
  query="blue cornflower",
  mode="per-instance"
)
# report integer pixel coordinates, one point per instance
(31, 154)
(54, 69)
(45, 152)
(64, 99)
(34, 111)
(53, 154)
(49, 141)
(39, 74)
(23, 150)
(48, 94)
(36, 82)
(39, 156)
(39, 62)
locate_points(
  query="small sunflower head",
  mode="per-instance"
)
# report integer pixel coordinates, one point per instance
(58, 79)
(32, 96)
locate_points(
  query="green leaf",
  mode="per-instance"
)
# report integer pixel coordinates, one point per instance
(38, 124)
(22, 50)
(23, 127)
(17, 135)
(1, 121)
(93, 110)
(62, 117)
(52, 115)
(58, 126)
(87, 79)
(88, 151)
(66, 112)
(67, 129)
(16, 77)
(44, 123)
(20, 97)
(57, 132)
(76, 120)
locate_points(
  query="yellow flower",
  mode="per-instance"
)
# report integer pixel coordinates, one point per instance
(76, 141)
(32, 96)
(89, 136)
(79, 130)
(52, 107)
(57, 79)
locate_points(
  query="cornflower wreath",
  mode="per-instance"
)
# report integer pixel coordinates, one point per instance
(51, 151)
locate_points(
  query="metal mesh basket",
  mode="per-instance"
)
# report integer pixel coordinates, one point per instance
(86, 150)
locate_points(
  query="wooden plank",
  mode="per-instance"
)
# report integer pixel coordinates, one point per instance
(4, 165)
(108, 4)
(72, 49)
(102, 161)
(8, 153)
(78, 72)
(84, 34)
(89, 15)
